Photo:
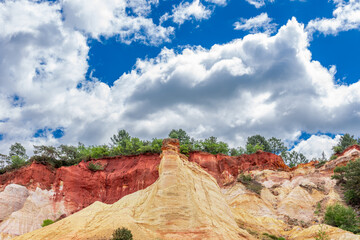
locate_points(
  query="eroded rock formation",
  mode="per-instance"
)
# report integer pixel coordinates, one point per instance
(184, 203)
(175, 203)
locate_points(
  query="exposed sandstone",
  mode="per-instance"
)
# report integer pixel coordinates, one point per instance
(184, 203)
(286, 203)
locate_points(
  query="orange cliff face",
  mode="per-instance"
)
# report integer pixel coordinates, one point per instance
(225, 168)
(38, 192)
(79, 187)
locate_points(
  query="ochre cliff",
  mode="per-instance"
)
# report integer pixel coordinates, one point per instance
(184, 203)
(79, 187)
(285, 206)
(225, 168)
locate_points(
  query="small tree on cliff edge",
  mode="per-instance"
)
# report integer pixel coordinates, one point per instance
(259, 140)
(18, 150)
(345, 141)
(180, 134)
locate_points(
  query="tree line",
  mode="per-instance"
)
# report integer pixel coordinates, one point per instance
(124, 144)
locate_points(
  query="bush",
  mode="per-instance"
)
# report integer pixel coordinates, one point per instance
(17, 162)
(122, 234)
(321, 234)
(47, 222)
(342, 217)
(293, 158)
(348, 177)
(95, 167)
(250, 183)
(266, 236)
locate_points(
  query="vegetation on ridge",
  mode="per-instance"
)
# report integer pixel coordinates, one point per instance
(349, 178)
(342, 217)
(47, 222)
(250, 183)
(124, 144)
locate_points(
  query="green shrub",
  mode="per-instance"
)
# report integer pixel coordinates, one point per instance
(333, 157)
(250, 183)
(266, 236)
(244, 178)
(321, 234)
(17, 162)
(122, 234)
(320, 164)
(47, 222)
(342, 217)
(348, 177)
(95, 167)
(318, 209)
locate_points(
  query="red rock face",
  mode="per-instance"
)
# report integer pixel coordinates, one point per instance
(79, 187)
(225, 168)
(357, 147)
(33, 176)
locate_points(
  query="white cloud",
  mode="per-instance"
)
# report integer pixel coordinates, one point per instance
(218, 2)
(256, 24)
(186, 11)
(259, 84)
(316, 145)
(125, 19)
(259, 3)
(346, 17)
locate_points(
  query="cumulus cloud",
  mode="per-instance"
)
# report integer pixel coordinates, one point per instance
(346, 16)
(258, 3)
(218, 2)
(186, 11)
(125, 19)
(260, 84)
(256, 24)
(41, 64)
(316, 145)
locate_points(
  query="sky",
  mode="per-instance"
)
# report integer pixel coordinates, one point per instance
(79, 70)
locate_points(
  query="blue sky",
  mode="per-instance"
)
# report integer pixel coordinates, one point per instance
(80, 70)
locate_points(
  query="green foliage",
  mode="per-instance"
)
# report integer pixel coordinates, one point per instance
(46, 151)
(244, 178)
(342, 217)
(349, 177)
(250, 149)
(18, 150)
(68, 152)
(120, 137)
(276, 146)
(293, 158)
(333, 157)
(259, 140)
(17, 162)
(122, 234)
(237, 151)
(95, 167)
(211, 145)
(180, 134)
(250, 183)
(318, 209)
(266, 236)
(321, 234)
(345, 141)
(47, 222)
